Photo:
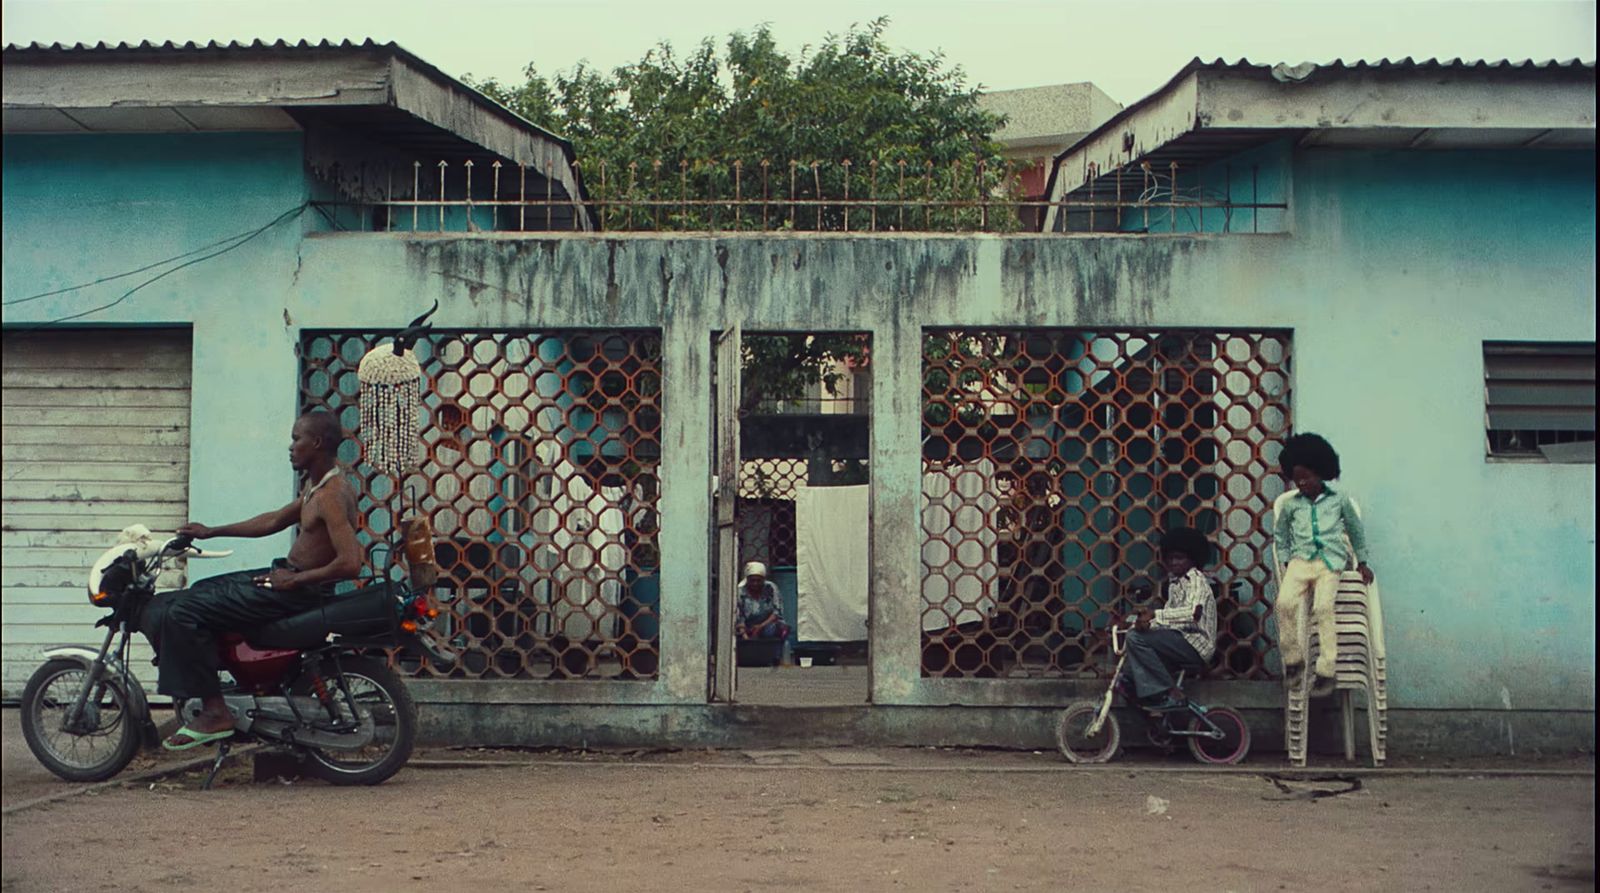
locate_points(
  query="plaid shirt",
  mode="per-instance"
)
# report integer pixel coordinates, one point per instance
(1183, 596)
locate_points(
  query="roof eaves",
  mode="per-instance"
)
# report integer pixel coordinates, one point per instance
(1304, 72)
(1111, 123)
(368, 44)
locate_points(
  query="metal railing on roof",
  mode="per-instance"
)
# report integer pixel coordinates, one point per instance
(901, 196)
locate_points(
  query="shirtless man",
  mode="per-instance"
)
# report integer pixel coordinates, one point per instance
(184, 625)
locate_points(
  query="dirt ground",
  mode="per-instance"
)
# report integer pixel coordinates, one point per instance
(802, 820)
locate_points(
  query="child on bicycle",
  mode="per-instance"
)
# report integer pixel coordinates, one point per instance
(1180, 635)
(1309, 540)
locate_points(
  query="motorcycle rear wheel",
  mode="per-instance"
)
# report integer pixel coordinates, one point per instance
(380, 692)
(94, 754)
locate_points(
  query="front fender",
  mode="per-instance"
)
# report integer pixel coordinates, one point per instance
(85, 656)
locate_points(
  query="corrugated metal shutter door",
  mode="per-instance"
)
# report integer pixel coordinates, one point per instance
(96, 437)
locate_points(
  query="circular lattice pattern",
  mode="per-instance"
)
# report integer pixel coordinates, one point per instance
(1053, 458)
(537, 463)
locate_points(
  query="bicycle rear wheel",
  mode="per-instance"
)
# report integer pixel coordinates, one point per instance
(1230, 747)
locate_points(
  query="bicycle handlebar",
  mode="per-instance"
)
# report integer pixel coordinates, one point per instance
(1119, 632)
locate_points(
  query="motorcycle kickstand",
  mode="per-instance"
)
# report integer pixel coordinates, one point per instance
(216, 765)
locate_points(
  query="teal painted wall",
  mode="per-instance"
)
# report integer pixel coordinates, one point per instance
(1396, 266)
(1410, 261)
(78, 208)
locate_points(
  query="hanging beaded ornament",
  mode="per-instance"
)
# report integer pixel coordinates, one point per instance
(391, 400)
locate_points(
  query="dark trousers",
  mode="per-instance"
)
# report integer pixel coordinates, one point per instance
(779, 630)
(1154, 657)
(183, 626)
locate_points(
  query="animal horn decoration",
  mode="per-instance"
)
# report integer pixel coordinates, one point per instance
(391, 400)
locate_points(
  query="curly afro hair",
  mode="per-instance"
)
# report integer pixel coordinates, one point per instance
(1190, 542)
(1312, 452)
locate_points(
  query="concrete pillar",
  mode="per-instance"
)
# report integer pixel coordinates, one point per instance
(895, 611)
(685, 491)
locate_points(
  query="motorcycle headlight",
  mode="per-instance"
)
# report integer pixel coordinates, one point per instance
(114, 582)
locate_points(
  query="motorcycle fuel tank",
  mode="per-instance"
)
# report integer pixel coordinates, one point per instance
(257, 668)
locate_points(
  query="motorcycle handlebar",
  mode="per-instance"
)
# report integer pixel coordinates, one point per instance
(181, 544)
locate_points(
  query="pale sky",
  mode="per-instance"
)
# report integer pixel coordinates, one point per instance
(1127, 47)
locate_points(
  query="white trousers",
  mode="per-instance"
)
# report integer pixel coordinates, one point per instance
(1303, 579)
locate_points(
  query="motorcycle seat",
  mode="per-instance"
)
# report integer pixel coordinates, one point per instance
(368, 613)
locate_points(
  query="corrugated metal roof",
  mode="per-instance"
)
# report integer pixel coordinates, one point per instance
(1307, 70)
(235, 46)
(190, 46)
(1406, 64)
(1203, 143)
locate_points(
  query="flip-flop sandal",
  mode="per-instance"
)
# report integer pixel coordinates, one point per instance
(195, 738)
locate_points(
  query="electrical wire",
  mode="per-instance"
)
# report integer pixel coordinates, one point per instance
(104, 279)
(236, 241)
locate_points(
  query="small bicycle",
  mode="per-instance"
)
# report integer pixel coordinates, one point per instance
(1088, 731)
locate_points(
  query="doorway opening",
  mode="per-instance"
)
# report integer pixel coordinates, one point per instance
(793, 527)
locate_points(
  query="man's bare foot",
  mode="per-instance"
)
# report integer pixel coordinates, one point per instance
(212, 720)
(206, 727)
(208, 722)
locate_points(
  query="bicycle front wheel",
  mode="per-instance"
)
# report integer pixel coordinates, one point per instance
(1076, 741)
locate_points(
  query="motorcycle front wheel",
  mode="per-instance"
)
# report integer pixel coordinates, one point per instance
(104, 741)
(381, 695)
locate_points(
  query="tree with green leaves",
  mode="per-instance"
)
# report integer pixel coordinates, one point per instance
(670, 141)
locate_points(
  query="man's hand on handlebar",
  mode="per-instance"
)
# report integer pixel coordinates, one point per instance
(1143, 620)
(195, 530)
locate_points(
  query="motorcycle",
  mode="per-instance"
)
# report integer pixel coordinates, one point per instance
(317, 683)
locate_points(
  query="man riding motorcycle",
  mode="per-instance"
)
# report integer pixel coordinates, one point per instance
(184, 625)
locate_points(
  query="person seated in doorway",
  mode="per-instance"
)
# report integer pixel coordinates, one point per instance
(184, 625)
(1180, 635)
(760, 606)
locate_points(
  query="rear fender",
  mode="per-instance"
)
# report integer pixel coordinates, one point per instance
(85, 657)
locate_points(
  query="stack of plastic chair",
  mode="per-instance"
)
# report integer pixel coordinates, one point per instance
(1361, 665)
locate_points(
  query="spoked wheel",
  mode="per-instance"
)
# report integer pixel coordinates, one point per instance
(1230, 747)
(106, 737)
(382, 698)
(1073, 736)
